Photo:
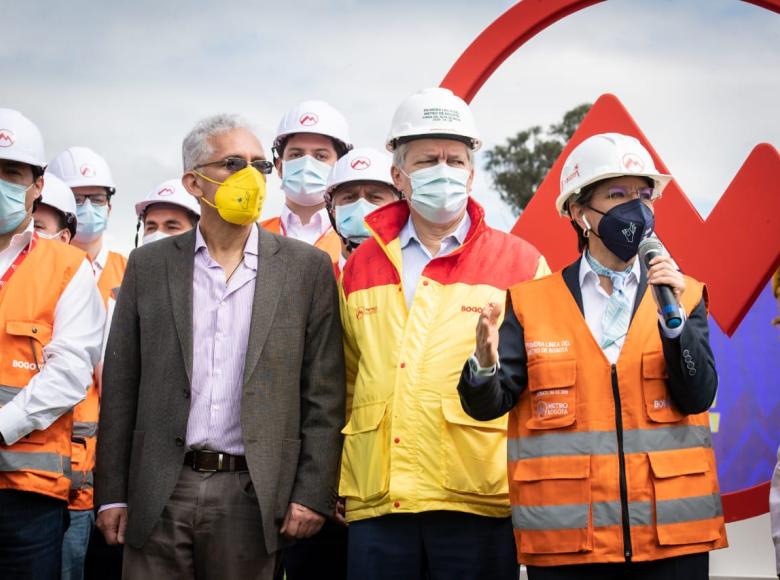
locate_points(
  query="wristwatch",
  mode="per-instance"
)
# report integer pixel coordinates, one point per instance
(479, 371)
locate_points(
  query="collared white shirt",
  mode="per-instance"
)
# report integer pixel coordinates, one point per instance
(68, 359)
(318, 225)
(594, 302)
(99, 263)
(415, 256)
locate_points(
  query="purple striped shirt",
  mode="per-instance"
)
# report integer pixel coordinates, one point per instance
(220, 332)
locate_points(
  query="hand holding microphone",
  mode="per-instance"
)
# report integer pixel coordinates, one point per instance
(667, 282)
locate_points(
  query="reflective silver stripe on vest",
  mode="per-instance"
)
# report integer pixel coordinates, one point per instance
(7, 393)
(608, 513)
(51, 462)
(79, 481)
(85, 428)
(550, 517)
(687, 509)
(605, 442)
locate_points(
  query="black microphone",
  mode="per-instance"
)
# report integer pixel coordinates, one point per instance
(649, 248)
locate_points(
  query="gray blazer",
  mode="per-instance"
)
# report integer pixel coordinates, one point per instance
(292, 404)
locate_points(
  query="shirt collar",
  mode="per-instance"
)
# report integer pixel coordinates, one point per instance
(101, 258)
(291, 219)
(587, 272)
(20, 240)
(250, 247)
(409, 233)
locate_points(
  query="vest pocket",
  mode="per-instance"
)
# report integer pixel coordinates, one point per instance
(546, 527)
(658, 402)
(553, 397)
(473, 452)
(687, 505)
(365, 460)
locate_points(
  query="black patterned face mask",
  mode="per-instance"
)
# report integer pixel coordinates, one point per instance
(624, 226)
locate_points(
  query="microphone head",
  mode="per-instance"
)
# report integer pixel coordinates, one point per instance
(651, 244)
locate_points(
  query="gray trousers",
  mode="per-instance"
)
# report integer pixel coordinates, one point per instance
(209, 529)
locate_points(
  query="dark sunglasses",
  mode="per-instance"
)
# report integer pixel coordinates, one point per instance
(233, 164)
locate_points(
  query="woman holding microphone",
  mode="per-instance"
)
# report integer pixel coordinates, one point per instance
(611, 467)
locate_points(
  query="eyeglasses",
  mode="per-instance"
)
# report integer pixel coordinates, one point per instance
(233, 164)
(619, 192)
(94, 198)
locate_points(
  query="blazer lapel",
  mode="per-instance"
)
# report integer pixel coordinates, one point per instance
(571, 276)
(269, 284)
(640, 290)
(180, 270)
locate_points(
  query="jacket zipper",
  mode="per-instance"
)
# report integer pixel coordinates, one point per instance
(622, 464)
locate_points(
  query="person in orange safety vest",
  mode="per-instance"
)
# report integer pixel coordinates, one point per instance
(51, 321)
(611, 468)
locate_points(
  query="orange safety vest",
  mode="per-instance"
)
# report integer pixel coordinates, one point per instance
(87, 412)
(568, 459)
(329, 242)
(40, 461)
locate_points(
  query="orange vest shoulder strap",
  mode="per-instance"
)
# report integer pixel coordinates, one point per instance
(273, 225)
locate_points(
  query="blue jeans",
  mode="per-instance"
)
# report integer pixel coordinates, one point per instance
(436, 545)
(31, 530)
(74, 546)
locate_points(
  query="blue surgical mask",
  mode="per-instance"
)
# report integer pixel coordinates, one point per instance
(12, 206)
(304, 180)
(349, 220)
(439, 193)
(153, 237)
(91, 221)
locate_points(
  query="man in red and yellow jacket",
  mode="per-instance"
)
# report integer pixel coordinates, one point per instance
(611, 468)
(425, 485)
(51, 321)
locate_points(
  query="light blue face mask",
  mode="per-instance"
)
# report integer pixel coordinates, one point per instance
(349, 220)
(304, 180)
(439, 193)
(12, 205)
(91, 221)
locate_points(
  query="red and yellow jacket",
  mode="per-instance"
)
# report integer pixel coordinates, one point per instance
(41, 461)
(408, 446)
(603, 467)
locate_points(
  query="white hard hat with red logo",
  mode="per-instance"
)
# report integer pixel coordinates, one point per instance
(82, 167)
(362, 164)
(314, 117)
(605, 156)
(171, 191)
(433, 113)
(20, 139)
(58, 195)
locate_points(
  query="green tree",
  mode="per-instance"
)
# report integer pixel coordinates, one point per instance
(518, 168)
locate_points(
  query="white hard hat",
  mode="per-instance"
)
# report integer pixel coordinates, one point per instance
(314, 117)
(82, 167)
(362, 164)
(171, 191)
(20, 139)
(58, 195)
(602, 157)
(434, 112)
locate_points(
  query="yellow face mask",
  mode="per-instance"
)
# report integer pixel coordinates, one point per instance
(239, 199)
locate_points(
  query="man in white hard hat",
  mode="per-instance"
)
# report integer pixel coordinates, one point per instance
(55, 216)
(89, 177)
(310, 138)
(51, 320)
(168, 210)
(425, 485)
(611, 467)
(359, 183)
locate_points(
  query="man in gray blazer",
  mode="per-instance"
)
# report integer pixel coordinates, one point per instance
(223, 385)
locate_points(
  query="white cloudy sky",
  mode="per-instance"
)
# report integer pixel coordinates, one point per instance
(702, 78)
